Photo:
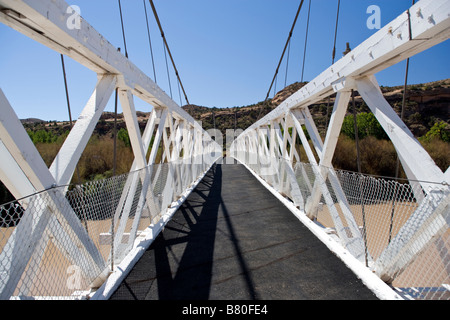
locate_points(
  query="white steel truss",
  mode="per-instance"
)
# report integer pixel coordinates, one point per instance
(263, 146)
(268, 147)
(186, 149)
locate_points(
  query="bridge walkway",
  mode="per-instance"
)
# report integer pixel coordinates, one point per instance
(232, 239)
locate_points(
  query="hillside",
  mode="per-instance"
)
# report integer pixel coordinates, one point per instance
(426, 104)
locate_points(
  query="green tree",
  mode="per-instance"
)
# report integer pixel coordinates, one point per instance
(122, 135)
(367, 124)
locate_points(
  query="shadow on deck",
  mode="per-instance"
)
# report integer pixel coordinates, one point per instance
(232, 239)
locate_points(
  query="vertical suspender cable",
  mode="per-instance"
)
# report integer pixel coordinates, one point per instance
(405, 86)
(287, 64)
(179, 93)
(115, 132)
(402, 114)
(358, 161)
(115, 135)
(333, 56)
(150, 40)
(115, 103)
(71, 125)
(68, 104)
(123, 30)
(306, 40)
(114, 174)
(275, 86)
(67, 91)
(168, 73)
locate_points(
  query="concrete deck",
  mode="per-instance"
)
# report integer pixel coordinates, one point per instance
(232, 239)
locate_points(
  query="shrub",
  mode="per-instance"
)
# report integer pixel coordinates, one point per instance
(440, 130)
(439, 151)
(98, 158)
(345, 154)
(378, 157)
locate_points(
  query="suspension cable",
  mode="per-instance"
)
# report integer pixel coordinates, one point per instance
(149, 40)
(168, 50)
(285, 47)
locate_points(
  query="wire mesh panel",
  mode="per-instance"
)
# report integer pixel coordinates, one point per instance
(402, 226)
(41, 245)
(60, 243)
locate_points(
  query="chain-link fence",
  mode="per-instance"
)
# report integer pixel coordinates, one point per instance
(397, 228)
(64, 242)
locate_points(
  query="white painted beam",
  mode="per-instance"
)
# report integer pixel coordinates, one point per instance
(21, 148)
(158, 136)
(418, 160)
(65, 162)
(129, 113)
(334, 129)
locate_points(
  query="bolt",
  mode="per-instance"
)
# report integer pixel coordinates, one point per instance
(419, 13)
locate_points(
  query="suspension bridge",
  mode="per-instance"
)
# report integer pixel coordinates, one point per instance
(260, 223)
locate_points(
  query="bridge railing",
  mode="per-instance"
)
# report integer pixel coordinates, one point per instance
(114, 214)
(379, 220)
(419, 209)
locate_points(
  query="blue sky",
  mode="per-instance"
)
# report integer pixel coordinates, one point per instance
(226, 51)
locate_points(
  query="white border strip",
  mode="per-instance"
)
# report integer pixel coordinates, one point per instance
(142, 243)
(373, 282)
